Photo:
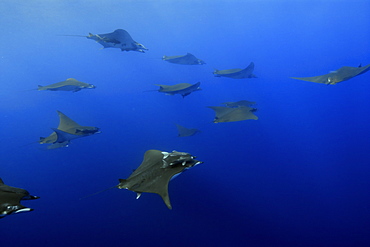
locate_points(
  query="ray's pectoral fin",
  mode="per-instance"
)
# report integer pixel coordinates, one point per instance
(59, 145)
(63, 136)
(166, 199)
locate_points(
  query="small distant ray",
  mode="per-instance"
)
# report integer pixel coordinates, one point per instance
(10, 200)
(120, 39)
(67, 131)
(334, 77)
(156, 171)
(182, 131)
(68, 85)
(184, 89)
(188, 59)
(236, 73)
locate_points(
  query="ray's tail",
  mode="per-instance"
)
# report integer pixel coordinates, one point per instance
(150, 90)
(101, 191)
(72, 35)
(28, 144)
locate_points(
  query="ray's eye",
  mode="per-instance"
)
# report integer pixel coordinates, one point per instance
(11, 208)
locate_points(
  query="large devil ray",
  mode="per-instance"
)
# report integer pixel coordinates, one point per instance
(342, 74)
(10, 198)
(188, 59)
(118, 39)
(68, 85)
(236, 73)
(67, 131)
(182, 88)
(156, 171)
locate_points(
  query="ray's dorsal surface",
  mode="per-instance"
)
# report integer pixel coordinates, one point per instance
(182, 131)
(156, 171)
(236, 73)
(184, 89)
(67, 130)
(188, 59)
(118, 39)
(342, 74)
(236, 111)
(70, 84)
(10, 198)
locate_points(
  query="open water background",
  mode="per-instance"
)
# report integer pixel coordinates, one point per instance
(298, 176)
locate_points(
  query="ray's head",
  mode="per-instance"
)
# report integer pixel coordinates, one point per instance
(88, 131)
(140, 47)
(201, 62)
(13, 209)
(220, 120)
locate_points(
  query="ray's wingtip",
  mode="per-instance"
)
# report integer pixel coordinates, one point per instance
(167, 202)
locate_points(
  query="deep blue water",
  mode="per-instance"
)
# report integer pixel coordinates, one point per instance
(298, 176)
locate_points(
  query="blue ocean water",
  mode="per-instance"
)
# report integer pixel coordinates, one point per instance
(298, 176)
